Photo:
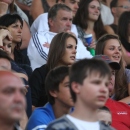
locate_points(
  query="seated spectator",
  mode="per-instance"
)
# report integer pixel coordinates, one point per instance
(88, 21)
(40, 42)
(12, 100)
(60, 101)
(88, 86)
(110, 45)
(117, 8)
(14, 9)
(41, 22)
(120, 111)
(41, 6)
(104, 115)
(64, 55)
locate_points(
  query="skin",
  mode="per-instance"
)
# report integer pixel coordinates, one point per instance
(12, 99)
(113, 50)
(105, 116)
(94, 10)
(70, 52)
(62, 98)
(7, 45)
(62, 22)
(5, 64)
(7, 1)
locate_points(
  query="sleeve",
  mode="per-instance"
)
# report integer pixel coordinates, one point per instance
(36, 121)
(127, 71)
(37, 53)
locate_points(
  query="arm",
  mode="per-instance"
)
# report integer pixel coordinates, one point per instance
(22, 6)
(109, 29)
(26, 35)
(36, 8)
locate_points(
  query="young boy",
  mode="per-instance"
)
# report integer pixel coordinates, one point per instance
(59, 97)
(89, 79)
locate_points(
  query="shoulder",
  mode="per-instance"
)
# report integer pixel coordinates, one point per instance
(103, 126)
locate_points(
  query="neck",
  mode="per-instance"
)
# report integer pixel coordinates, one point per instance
(84, 112)
(51, 2)
(60, 109)
(6, 125)
(115, 21)
(90, 28)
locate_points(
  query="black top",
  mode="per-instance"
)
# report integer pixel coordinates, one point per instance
(37, 84)
(45, 6)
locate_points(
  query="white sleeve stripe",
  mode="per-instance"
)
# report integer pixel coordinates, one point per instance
(40, 127)
(39, 47)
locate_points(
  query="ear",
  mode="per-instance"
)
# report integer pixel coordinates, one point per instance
(75, 87)
(50, 22)
(53, 93)
(113, 10)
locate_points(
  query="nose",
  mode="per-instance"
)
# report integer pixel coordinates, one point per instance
(19, 97)
(19, 30)
(74, 51)
(69, 23)
(103, 89)
(76, 6)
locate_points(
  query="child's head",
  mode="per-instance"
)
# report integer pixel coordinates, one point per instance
(89, 79)
(57, 86)
(104, 115)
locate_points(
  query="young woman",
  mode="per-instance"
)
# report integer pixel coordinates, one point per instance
(88, 20)
(110, 45)
(62, 52)
(124, 34)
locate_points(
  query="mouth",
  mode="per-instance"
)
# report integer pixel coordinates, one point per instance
(72, 57)
(117, 58)
(101, 98)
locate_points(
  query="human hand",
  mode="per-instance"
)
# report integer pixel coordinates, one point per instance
(3, 8)
(92, 44)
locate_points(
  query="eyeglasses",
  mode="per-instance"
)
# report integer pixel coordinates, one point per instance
(124, 6)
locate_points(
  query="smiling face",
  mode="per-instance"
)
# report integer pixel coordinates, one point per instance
(16, 31)
(70, 52)
(94, 10)
(113, 50)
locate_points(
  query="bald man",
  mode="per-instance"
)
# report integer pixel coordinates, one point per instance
(12, 100)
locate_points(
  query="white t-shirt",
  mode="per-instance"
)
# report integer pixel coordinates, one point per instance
(84, 125)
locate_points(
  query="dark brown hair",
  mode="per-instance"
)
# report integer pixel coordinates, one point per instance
(57, 49)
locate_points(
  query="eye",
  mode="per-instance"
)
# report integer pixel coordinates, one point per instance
(69, 46)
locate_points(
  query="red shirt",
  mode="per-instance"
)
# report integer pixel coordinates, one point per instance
(120, 114)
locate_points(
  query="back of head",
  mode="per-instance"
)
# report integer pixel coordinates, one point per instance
(84, 68)
(54, 9)
(113, 3)
(55, 55)
(53, 79)
(8, 19)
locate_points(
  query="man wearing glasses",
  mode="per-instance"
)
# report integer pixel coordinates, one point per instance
(117, 8)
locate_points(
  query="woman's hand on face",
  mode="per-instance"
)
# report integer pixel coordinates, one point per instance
(5, 33)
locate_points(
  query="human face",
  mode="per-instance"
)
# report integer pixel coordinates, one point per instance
(93, 92)
(7, 45)
(70, 52)
(12, 98)
(16, 31)
(94, 10)
(7, 1)
(73, 4)
(122, 6)
(113, 50)
(63, 95)
(105, 117)
(62, 22)
(5, 64)
(111, 82)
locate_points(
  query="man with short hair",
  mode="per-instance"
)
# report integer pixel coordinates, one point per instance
(60, 101)
(89, 79)
(117, 8)
(59, 20)
(41, 22)
(12, 100)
